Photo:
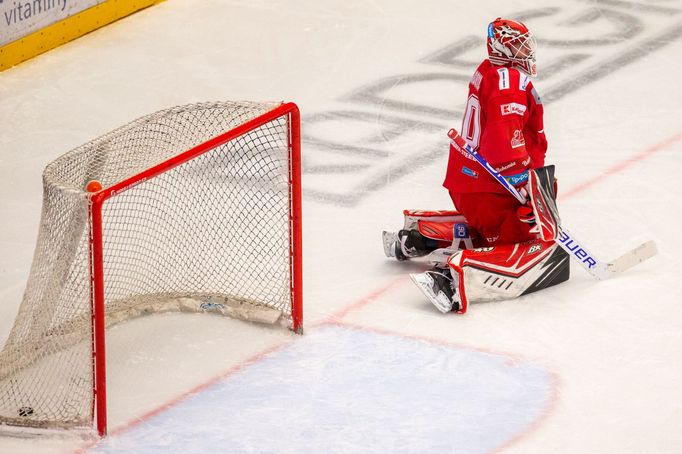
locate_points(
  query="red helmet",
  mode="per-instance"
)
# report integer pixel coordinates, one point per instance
(510, 43)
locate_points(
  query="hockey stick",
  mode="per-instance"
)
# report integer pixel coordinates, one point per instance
(574, 247)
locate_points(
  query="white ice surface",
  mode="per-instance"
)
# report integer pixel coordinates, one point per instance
(613, 347)
(322, 393)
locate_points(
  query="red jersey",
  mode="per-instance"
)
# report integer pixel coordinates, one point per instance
(503, 122)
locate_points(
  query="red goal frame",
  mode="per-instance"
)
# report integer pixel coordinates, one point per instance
(97, 200)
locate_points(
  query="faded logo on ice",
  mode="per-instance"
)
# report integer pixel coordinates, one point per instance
(394, 124)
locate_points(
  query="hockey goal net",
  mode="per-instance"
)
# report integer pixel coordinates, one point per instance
(199, 211)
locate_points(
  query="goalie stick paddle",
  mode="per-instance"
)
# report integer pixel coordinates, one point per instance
(574, 247)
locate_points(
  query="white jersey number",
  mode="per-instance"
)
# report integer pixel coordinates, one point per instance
(471, 124)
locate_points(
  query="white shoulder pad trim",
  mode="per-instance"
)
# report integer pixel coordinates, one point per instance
(476, 80)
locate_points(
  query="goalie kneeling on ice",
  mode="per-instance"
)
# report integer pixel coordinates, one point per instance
(494, 273)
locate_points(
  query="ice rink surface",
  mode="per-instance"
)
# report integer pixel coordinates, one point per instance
(589, 367)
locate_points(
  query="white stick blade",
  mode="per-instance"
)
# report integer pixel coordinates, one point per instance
(626, 261)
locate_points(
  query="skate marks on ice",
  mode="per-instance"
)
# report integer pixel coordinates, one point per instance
(391, 126)
(343, 389)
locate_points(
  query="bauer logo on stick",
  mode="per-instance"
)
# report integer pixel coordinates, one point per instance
(574, 248)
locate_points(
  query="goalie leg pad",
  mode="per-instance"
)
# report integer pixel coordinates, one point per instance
(509, 271)
(412, 217)
(445, 227)
(425, 234)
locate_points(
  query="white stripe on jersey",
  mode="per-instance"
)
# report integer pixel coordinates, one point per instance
(504, 78)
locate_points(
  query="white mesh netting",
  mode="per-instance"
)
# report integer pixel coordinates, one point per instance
(209, 235)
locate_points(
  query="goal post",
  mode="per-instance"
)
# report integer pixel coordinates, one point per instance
(199, 210)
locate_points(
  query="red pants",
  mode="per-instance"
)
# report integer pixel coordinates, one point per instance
(493, 216)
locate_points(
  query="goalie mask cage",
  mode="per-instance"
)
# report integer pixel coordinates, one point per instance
(200, 211)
